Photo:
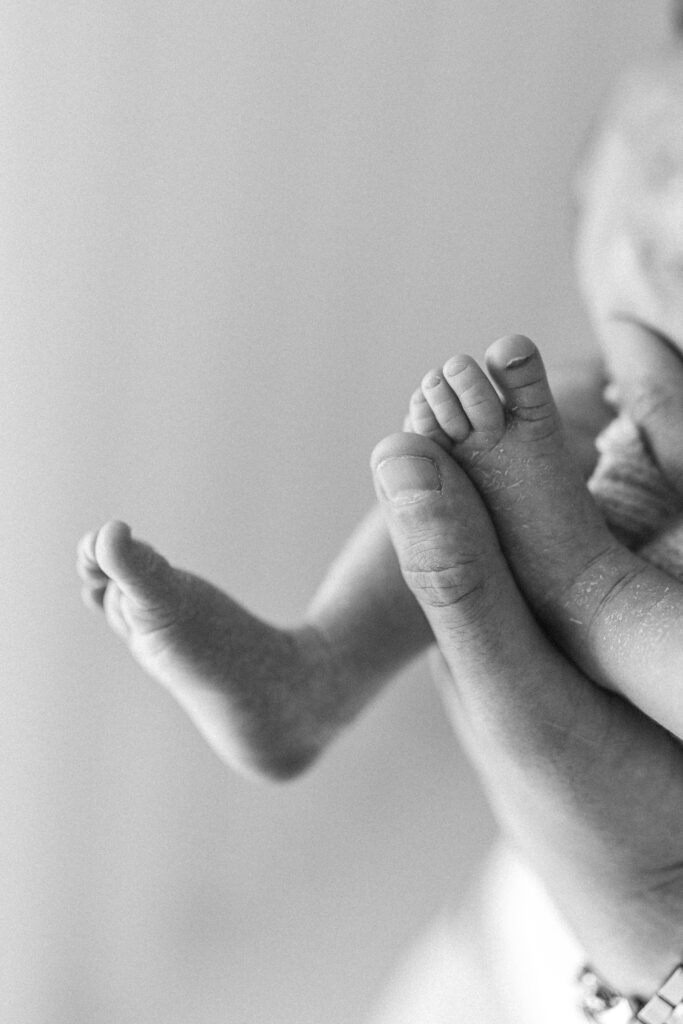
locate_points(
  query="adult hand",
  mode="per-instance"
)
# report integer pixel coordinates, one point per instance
(630, 251)
(589, 788)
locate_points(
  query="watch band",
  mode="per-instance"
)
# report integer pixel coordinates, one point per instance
(666, 1005)
(601, 1004)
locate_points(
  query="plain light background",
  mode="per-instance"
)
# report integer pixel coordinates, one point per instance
(233, 236)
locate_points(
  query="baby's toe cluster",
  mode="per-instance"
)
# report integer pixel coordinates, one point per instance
(454, 402)
(422, 420)
(459, 402)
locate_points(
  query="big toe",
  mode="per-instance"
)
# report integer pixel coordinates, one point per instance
(516, 366)
(142, 574)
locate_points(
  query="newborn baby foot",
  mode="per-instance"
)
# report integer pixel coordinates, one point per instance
(251, 689)
(514, 450)
(601, 602)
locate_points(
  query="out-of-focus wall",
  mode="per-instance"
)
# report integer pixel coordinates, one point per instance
(233, 236)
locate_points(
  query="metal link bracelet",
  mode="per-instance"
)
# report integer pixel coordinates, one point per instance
(601, 1004)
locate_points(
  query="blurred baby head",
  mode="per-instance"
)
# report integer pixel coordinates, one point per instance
(629, 241)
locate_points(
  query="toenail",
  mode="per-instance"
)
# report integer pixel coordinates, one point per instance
(518, 347)
(407, 478)
(431, 380)
(456, 365)
(518, 361)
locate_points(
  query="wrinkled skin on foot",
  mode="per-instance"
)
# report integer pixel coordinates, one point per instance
(615, 615)
(259, 695)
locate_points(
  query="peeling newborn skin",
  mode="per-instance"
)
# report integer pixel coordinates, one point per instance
(615, 615)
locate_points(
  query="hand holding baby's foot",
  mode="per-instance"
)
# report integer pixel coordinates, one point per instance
(610, 610)
(251, 689)
(514, 450)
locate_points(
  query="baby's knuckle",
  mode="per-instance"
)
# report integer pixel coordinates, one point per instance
(541, 413)
(540, 422)
(433, 430)
(451, 420)
(477, 397)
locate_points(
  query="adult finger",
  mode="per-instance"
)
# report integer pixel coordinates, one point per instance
(514, 685)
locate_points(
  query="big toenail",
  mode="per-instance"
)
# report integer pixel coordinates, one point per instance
(518, 361)
(407, 478)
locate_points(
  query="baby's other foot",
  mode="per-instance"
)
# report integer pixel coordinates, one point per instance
(250, 689)
(513, 449)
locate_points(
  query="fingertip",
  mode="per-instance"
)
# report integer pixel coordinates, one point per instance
(399, 444)
(406, 470)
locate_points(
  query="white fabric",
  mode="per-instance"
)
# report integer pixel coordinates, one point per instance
(507, 958)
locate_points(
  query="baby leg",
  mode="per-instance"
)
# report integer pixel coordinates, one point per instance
(268, 700)
(255, 692)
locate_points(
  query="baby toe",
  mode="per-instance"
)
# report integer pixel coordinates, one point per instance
(423, 420)
(477, 395)
(516, 365)
(445, 406)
